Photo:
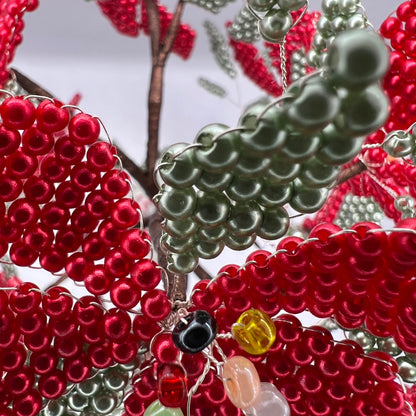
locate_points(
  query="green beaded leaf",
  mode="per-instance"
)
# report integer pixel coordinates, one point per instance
(213, 6)
(244, 27)
(212, 87)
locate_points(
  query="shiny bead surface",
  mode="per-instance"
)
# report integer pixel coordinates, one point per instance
(254, 331)
(275, 25)
(241, 382)
(171, 383)
(157, 409)
(270, 403)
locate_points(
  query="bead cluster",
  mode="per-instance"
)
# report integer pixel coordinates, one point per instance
(231, 185)
(213, 6)
(122, 14)
(11, 26)
(244, 27)
(48, 341)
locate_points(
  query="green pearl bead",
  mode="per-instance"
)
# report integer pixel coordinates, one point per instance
(330, 8)
(239, 242)
(275, 194)
(339, 24)
(275, 223)
(356, 22)
(399, 143)
(315, 107)
(55, 408)
(104, 403)
(268, 136)
(281, 170)
(115, 380)
(77, 402)
(251, 166)
(88, 387)
(176, 203)
(324, 27)
(176, 245)
(214, 182)
(316, 174)
(312, 58)
(244, 189)
(181, 171)
(209, 250)
(319, 42)
(180, 228)
(182, 263)
(275, 25)
(348, 7)
(249, 118)
(389, 346)
(211, 209)
(362, 338)
(291, 5)
(307, 200)
(299, 147)
(363, 111)
(261, 5)
(357, 58)
(157, 409)
(218, 156)
(212, 234)
(407, 369)
(245, 218)
(337, 149)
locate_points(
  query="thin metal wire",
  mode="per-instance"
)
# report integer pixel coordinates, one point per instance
(195, 387)
(253, 12)
(74, 107)
(272, 104)
(105, 130)
(38, 97)
(283, 63)
(9, 93)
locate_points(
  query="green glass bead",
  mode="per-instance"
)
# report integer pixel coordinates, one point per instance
(275, 223)
(330, 8)
(389, 346)
(176, 204)
(180, 171)
(77, 402)
(212, 209)
(407, 369)
(399, 143)
(291, 5)
(261, 5)
(275, 25)
(275, 194)
(209, 250)
(316, 174)
(176, 245)
(249, 118)
(214, 182)
(157, 409)
(104, 403)
(336, 148)
(88, 387)
(115, 381)
(251, 166)
(299, 147)
(220, 155)
(363, 111)
(182, 263)
(357, 58)
(244, 189)
(307, 200)
(315, 107)
(180, 228)
(268, 136)
(212, 234)
(239, 242)
(282, 170)
(245, 218)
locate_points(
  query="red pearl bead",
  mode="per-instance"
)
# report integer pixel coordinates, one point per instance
(155, 304)
(52, 259)
(21, 254)
(69, 346)
(10, 188)
(98, 282)
(17, 113)
(93, 247)
(19, 382)
(43, 362)
(77, 369)
(135, 244)
(23, 213)
(9, 140)
(28, 404)
(124, 294)
(78, 266)
(53, 385)
(68, 196)
(13, 359)
(84, 178)
(51, 117)
(8, 231)
(67, 152)
(116, 324)
(125, 213)
(146, 274)
(87, 311)
(25, 299)
(99, 355)
(100, 157)
(82, 221)
(54, 216)
(125, 351)
(109, 233)
(144, 328)
(84, 129)
(389, 27)
(35, 142)
(116, 264)
(38, 190)
(163, 348)
(39, 340)
(20, 165)
(68, 240)
(53, 169)
(114, 184)
(97, 205)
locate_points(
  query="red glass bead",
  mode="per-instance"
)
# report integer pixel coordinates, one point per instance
(299, 354)
(9, 140)
(389, 397)
(116, 264)
(99, 355)
(39, 340)
(309, 380)
(116, 324)
(20, 165)
(155, 304)
(93, 247)
(35, 142)
(84, 129)
(17, 113)
(43, 362)
(52, 259)
(28, 404)
(209, 299)
(279, 365)
(78, 266)
(83, 178)
(25, 299)
(53, 169)
(98, 282)
(110, 234)
(67, 152)
(77, 369)
(21, 254)
(144, 328)
(171, 384)
(389, 27)
(53, 385)
(13, 359)
(125, 351)
(23, 213)
(134, 406)
(124, 294)
(19, 382)
(97, 205)
(51, 117)
(163, 348)
(10, 188)
(68, 196)
(33, 322)
(8, 231)
(318, 341)
(114, 184)
(146, 274)
(100, 157)
(288, 328)
(125, 213)
(93, 334)
(38, 190)
(54, 216)
(82, 221)
(382, 367)
(135, 244)
(9, 329)
(68, 240)
(87, 311)
(260, 272)
(405, 11)
(69, 346)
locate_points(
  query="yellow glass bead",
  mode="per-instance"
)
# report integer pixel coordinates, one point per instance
(254, 331)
